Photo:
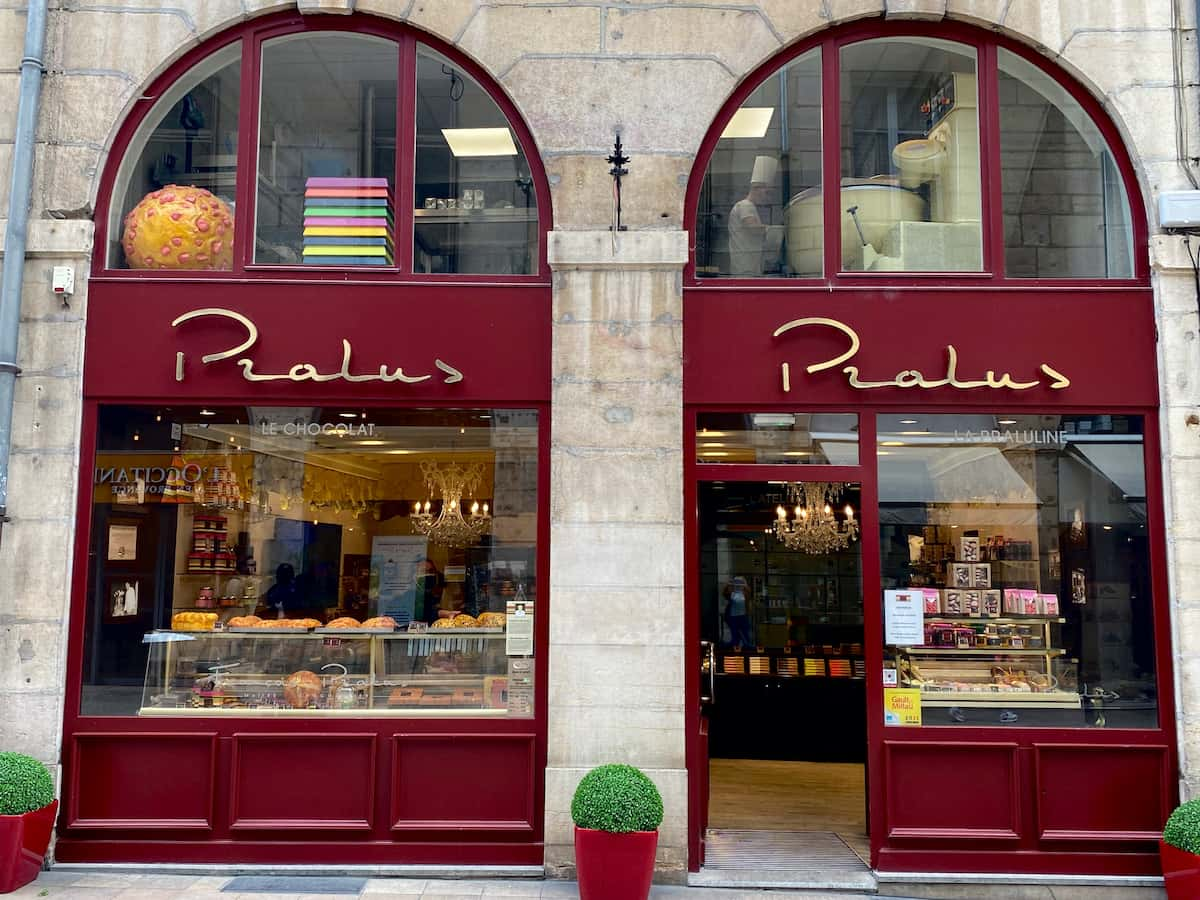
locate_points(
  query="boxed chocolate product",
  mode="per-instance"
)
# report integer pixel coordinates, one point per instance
(1013, 604)
(981, 575)
(952, 603)
(958, 575)
(968, 549)
(973, 603)
(933, 601)
(992, 603)
(1016, 642)
(1029, 602)
(965, 638)
(1047, 604)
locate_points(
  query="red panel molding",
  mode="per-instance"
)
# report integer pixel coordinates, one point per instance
(1096, 793)
(108, 787)
(952, 792)
(310, 782)
(488, 785)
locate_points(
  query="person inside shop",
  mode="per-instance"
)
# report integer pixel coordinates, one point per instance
(736, 614)
(754, 241)
(423, 596)
(285, 599)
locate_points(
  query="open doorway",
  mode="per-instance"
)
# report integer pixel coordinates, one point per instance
(781, 612)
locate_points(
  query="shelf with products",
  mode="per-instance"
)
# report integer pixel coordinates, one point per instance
(286, 672)
(981, 651)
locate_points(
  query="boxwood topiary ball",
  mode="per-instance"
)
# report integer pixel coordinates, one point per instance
(1183, 828)
(25, 784)
(617, 798)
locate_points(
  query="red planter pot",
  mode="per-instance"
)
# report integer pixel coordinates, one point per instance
(614, 866)
(1181, 872)
(23, 843)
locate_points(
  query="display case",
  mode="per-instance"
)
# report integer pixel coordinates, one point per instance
(335, 672)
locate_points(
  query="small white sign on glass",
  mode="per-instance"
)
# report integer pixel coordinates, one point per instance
(904, 618)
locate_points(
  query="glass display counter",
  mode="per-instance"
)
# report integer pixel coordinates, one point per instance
(328, 672)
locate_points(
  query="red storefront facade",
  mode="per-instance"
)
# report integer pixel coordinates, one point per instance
(261, 789)
(950, 346)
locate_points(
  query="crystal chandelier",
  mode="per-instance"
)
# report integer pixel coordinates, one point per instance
(449, 527)
(815, 528)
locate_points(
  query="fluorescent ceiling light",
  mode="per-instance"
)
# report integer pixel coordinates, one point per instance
(749, 122)
(480, 141)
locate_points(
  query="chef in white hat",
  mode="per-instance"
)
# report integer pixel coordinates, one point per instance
(753, 243)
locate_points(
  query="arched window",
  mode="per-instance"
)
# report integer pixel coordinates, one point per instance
(369, 150)
(952, 156)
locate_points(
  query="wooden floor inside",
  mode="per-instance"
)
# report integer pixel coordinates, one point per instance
(777, 795)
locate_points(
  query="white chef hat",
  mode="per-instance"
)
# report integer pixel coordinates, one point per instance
(765, 169)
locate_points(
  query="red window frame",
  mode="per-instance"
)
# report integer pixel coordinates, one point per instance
(984, 45)
(252, 35)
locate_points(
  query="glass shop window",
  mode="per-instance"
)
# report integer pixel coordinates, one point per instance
(476, 204)
(818, 439)
(760, 203)
(291, 562)
(1016, 571)
(910, 197)
(327, 153)
(173, 199)
(1065, 210)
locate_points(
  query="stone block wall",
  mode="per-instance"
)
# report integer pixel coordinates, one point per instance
(578, 71)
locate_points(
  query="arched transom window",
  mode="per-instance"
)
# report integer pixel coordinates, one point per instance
(950, 156)
(367, 149)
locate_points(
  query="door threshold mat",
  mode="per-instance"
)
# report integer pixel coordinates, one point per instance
(781, 859)
(294, 884)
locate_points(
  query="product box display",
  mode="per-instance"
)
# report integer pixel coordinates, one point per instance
(981, 575)
(294, 671)
(959, 575)
(933, 601)
(968, 549)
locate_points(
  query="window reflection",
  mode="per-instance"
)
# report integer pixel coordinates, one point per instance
(910, 157)
(476, 205)
(173, 200)
(1065, 210)
(327, 153)
(1024, 539)
(767, 163)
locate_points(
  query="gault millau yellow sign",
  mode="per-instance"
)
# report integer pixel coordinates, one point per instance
(912, 378)
(901, 706)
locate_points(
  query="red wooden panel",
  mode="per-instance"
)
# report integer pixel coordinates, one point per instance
(463, 782)
(309, 342)
(1116, 793)
(303, 781)
(144, 781)
(989, 332)
(952, 791)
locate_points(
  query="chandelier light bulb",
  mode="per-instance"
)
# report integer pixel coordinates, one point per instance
(781, 512)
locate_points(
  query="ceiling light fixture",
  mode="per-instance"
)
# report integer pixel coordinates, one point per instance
(480, 141)
(815, 529)
(749, 122)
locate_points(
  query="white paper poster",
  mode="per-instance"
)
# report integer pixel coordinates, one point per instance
(122, 543)
(394, 560)
(904, 618)
(518, 635)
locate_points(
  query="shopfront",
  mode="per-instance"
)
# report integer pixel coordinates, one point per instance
(926, 582)
(310, 604)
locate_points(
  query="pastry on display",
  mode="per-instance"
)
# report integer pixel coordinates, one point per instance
(492, 620)
(462, 620)
(344, 622)
(380, 622)
(302, 689)
(443, 623)
(405, 696)
(193, 621)
(244, 622)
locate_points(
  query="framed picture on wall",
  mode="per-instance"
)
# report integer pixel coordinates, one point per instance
(122, 542)
(122, 598)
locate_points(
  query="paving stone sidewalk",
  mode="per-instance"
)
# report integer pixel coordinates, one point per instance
(105, 886)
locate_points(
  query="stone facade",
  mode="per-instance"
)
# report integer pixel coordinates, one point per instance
(578, 71)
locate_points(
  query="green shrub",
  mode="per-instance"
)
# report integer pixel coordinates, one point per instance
(1183, 828)
(617, 798)
(25, 784)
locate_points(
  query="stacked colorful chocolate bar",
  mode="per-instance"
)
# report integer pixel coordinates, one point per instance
(347, 222)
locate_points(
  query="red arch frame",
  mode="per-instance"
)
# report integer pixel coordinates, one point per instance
(985, 44)
(253, 33)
